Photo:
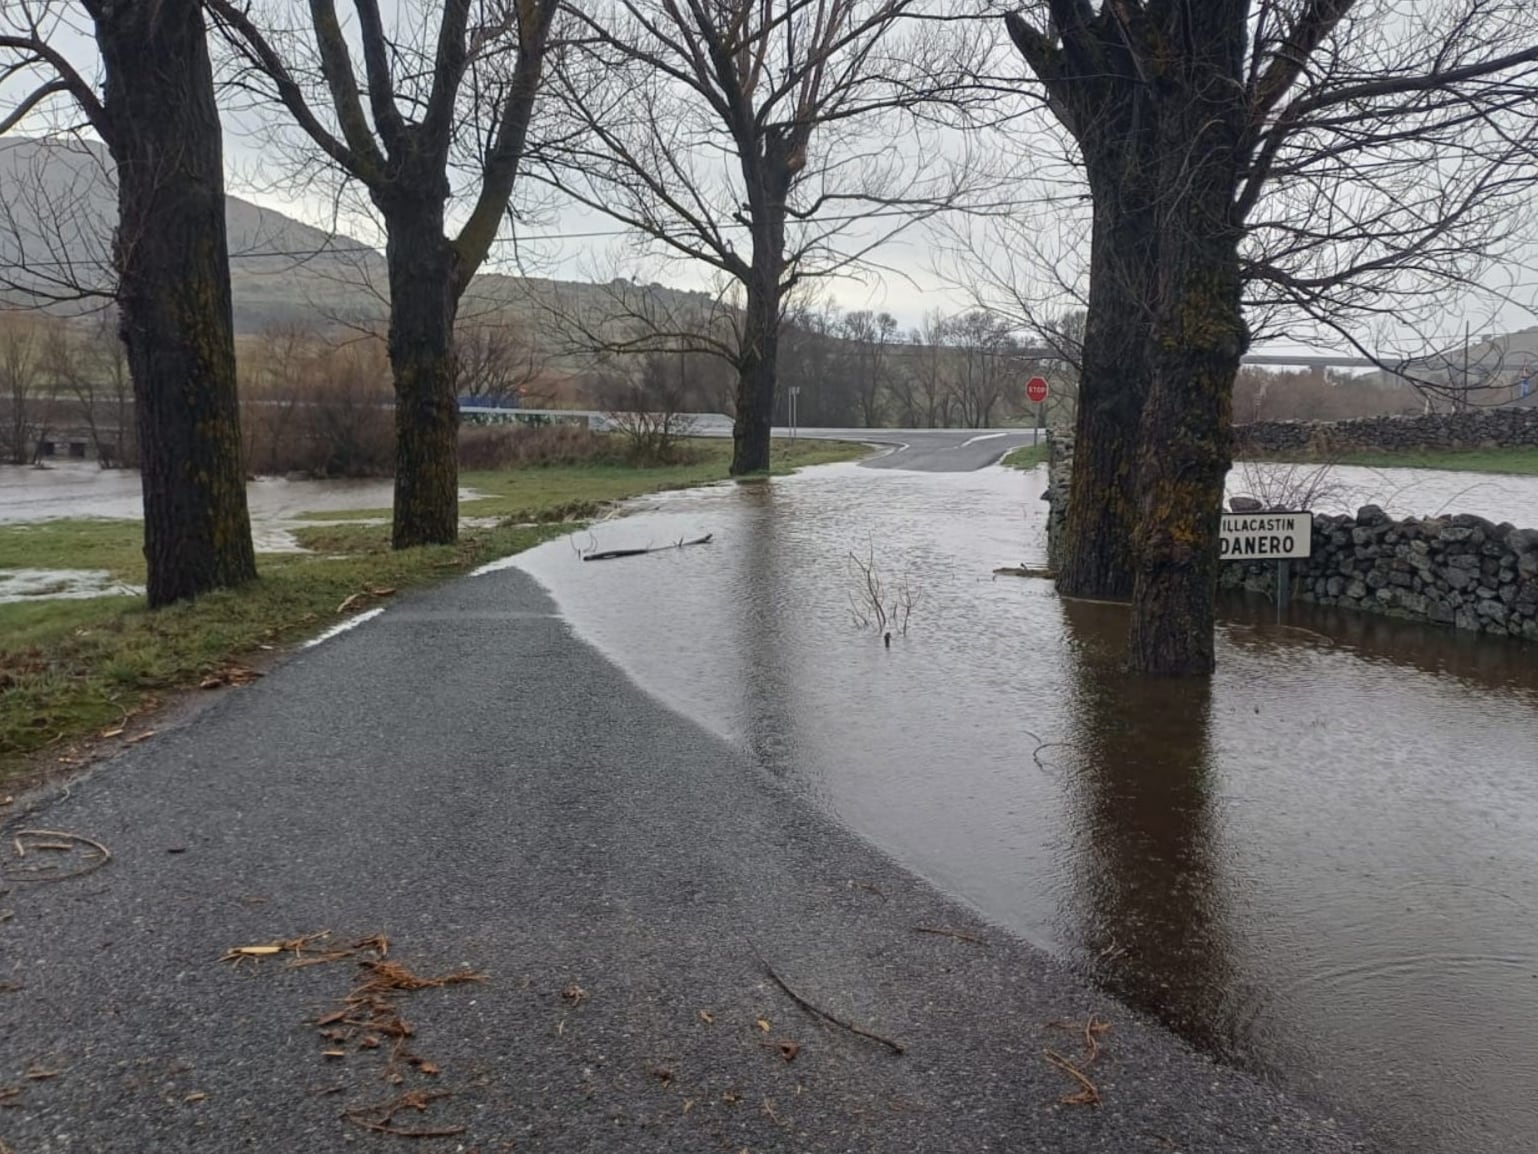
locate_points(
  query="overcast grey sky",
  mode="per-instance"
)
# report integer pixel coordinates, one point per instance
(917, 272)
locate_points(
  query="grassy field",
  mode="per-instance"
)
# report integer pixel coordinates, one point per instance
(1519, 461)
(73, 670)
(1026, 457)
(556, 491)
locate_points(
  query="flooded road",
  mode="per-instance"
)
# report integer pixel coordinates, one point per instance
(1324, 865)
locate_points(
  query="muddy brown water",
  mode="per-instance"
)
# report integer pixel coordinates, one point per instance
(1323, 866)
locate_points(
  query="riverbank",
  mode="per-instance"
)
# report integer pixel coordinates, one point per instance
(80, 677)
(637, 899)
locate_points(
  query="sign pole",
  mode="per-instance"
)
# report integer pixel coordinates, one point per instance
(1283, 586)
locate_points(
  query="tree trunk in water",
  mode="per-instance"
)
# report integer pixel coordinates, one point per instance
(1098, 561)
(423, 303)
(174, 296)
(1199, 337)
(756, 375)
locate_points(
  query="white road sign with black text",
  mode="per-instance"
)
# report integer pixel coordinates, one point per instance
(1267, 536)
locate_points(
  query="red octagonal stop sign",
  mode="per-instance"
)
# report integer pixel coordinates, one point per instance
(1036, 389)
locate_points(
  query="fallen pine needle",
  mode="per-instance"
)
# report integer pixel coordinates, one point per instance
(1088, 1096)
(381, 1116)
(944, 933)
(394, 976)
(809, 1007)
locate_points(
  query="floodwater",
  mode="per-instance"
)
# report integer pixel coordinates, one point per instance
(1323, 866)
(61, 585)
(277, 504)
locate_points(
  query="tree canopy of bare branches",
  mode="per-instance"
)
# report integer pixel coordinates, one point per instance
(1309, 157)
(772, 143)
(420, 105)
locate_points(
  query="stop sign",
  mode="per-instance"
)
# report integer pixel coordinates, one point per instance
(1036, 389)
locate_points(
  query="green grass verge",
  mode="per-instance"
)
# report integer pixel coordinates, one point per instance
(1026, 457)
(71, 669)
(548, 492)
(1518, 461)
(87, 543)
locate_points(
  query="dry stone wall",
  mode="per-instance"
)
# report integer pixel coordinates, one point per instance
(1462, 571)
(1504, 428)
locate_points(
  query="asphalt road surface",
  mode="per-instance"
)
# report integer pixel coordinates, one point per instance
(927, 450)
(931, 450)
(464, 776)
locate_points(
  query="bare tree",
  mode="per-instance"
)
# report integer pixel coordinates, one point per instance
(814, 106)
(1345, 108)
(810, 360)
(497, 359)
(868, 337)
(20, 386)
(648, 407)
(987, 367)
(155, 110)
(426, 105)
(89, 366)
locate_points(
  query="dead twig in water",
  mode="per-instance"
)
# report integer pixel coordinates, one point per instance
(614, 554)
(944, 933)
(895, 1047)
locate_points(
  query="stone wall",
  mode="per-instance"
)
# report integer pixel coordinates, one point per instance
(1461, 570)
(1504, 428)
(1059, 470)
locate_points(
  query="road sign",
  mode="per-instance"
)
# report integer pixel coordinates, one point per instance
(1036, 389)
(1266, 536)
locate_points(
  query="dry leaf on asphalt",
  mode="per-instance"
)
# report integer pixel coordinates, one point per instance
(762, 1024)
(789, 1050)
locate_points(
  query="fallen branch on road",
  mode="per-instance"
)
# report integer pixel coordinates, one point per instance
(895, 1047)
(612, 554)
(98, 855)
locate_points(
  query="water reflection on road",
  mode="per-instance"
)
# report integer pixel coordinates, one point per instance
(1323, 864)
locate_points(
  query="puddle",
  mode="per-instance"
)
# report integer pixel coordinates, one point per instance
(62, 584)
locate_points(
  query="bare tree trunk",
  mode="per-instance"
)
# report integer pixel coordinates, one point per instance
(423, 303)
(1098, 559)
(174, 296)
(756, 375)
(1199, 338)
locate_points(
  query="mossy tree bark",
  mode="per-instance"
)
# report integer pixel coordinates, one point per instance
(1199, 336)
(161, 125)
(1095, 88)
(424, 302)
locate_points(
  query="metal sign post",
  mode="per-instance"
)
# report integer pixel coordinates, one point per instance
(795, 391)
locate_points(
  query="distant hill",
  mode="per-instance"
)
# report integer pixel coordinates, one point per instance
(58, 211)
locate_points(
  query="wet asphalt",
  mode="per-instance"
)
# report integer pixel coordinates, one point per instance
(465, 776)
